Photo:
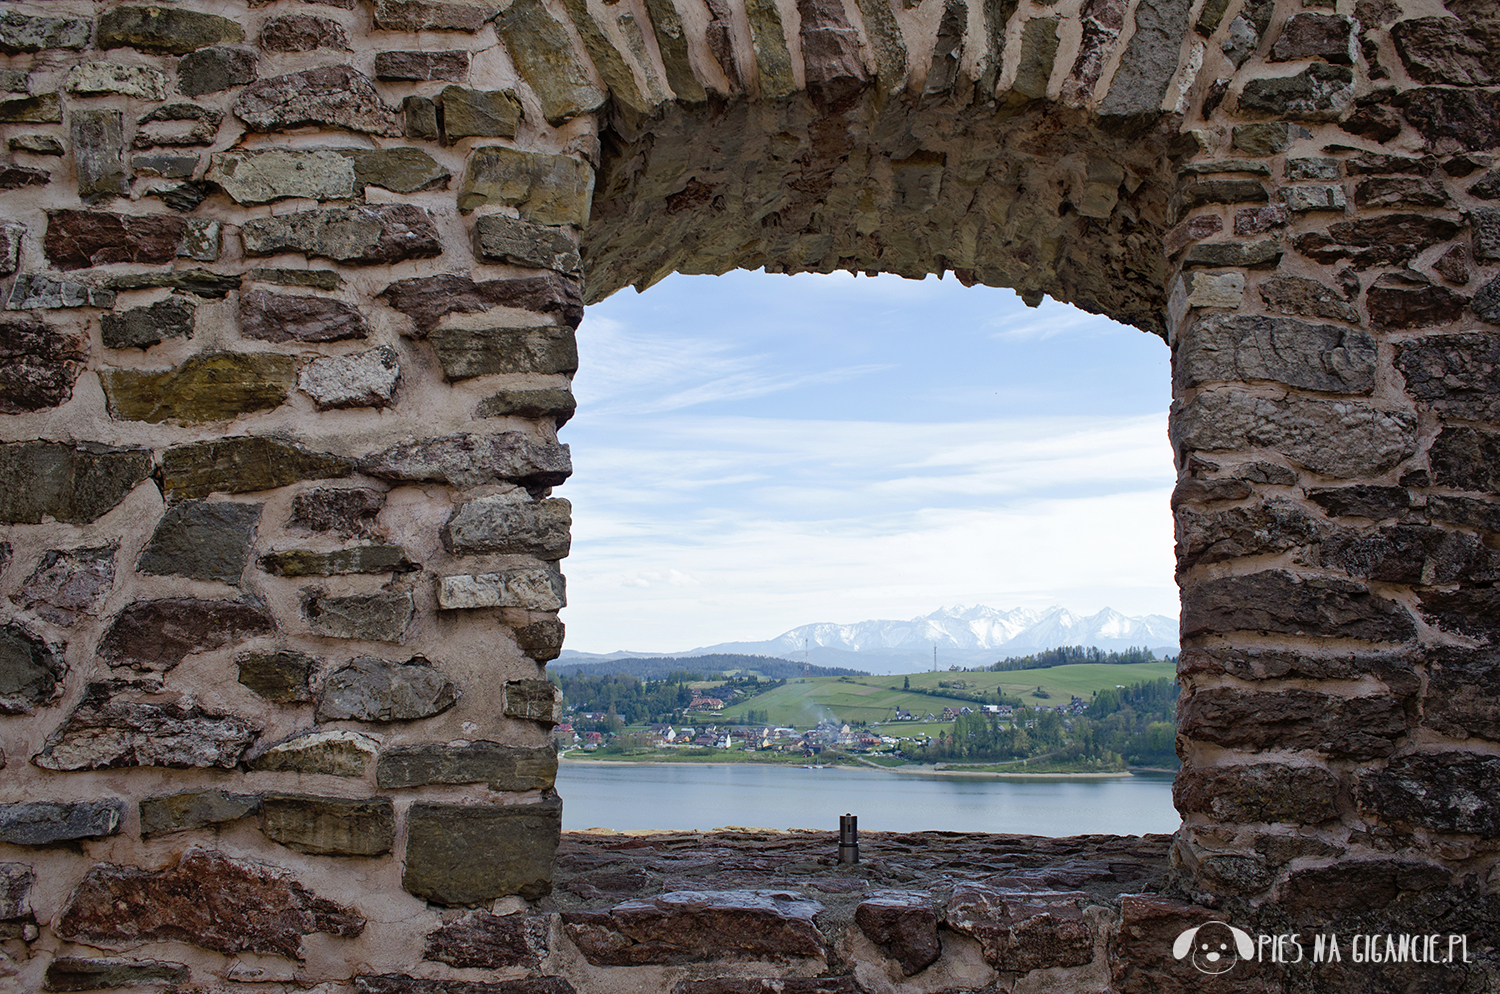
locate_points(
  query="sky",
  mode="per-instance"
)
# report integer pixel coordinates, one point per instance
(753, 452)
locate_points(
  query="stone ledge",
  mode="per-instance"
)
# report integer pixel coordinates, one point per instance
(924, 905)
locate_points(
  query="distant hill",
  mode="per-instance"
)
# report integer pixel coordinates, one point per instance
(964, 636)
(803, 703)
(661, 667)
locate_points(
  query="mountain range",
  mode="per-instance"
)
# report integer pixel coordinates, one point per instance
(964, 636)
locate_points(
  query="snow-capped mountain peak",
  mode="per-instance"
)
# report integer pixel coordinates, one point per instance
(963, 636)
(985, 628)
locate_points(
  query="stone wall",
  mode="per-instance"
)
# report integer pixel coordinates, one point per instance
(290, 297)
(1333, 424)
(280, 436)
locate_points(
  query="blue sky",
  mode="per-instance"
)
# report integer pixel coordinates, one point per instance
(754, 452)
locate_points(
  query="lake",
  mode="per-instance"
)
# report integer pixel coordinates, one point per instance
(693, 796)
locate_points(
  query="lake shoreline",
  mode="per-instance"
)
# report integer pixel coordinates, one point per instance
(862, 767)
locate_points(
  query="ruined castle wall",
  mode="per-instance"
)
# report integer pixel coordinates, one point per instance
(290, 297)
(1334, 426)
(280, 435)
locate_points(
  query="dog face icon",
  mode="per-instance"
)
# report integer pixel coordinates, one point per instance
(1214, 946)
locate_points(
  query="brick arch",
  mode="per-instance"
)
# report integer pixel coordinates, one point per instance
(290, 301)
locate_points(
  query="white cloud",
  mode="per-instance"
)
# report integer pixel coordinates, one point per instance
(757, 578)
(755, 454)
(785, 461)
(775, 532)
(670, 578)
(642, 374)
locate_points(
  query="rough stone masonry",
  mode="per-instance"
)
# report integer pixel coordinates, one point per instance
(289, 300)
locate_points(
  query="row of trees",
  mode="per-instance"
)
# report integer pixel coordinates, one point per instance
(1133, 726)
(629, 701)
(1068, 655)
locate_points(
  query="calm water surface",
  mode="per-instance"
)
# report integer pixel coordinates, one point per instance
(690, 796)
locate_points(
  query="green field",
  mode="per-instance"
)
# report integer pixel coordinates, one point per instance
(803, 702)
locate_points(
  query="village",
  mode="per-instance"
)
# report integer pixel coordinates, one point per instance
(1075, 718)
(704, 726)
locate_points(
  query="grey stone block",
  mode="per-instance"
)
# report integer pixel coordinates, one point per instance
(201, 540)
(40, 823)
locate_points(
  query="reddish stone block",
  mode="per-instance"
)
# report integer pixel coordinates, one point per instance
(1448, 118)
(697, 927)
(904, 926)
(769, 985)
(1454, 373)
(1264, 792)
(77, 239)
(491, 942)
(606, 884)
(1192, 230)
(38, 365)
(1296, 295)
(428, 299)
(1473, 611)
(1466, 459)
(1356, 727)
(1450, 50)
(1395, 669)
(64, 589)
(1315, 36)
(1418, 306)
(157, 635)
(1384, 238)
(207, 899)
(1023, 930)
(328, 96)
(280, 317)
(1278, 601)
(1258, 220)
(1356, 886)
(302, 33)
(1144, 958)
(835, 73)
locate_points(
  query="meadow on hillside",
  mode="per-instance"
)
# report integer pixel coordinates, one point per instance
(803, 702)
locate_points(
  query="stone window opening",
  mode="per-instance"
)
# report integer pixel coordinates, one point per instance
(290, 303)
(835, 439)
